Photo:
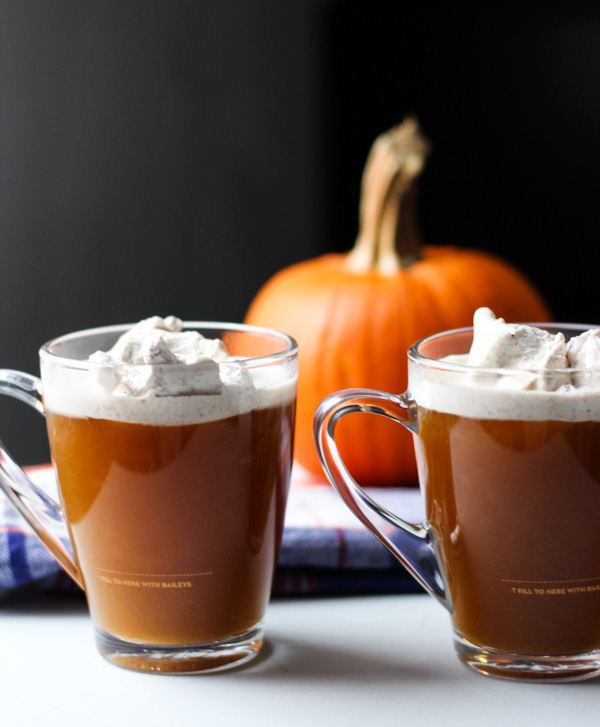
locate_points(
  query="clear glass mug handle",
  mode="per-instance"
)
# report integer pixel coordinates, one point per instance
(415, 546)
(41, 512)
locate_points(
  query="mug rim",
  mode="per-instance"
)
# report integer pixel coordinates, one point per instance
(415, 355)
(289, 351)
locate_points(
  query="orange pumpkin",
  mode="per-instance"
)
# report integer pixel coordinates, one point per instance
(355, 315)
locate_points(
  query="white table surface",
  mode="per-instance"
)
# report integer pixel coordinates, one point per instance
(327, 661)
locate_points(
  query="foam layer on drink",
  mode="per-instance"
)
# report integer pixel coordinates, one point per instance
(515, 372)
(159, 374)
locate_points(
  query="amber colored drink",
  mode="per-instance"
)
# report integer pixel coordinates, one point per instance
(175, 528)
(516, 508)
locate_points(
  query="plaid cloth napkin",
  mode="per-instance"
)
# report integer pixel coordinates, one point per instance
(325, 550)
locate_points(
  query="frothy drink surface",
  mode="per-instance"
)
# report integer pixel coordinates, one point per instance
(544, 378)
(510, 468)
(158, 374)
(175, 497)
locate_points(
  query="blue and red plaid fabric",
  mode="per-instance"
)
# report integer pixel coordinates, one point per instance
(325, 550)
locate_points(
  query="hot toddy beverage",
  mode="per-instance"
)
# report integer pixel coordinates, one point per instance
(173, 458)
(506, 424)
(509, 461)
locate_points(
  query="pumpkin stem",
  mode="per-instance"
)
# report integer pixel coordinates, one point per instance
(388, 239)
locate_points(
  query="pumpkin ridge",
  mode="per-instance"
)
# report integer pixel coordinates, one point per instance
(455, 312)
(470, 299)
(493, 276)
(311, 381)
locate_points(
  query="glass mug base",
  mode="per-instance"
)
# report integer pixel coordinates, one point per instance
(516, 667)
(193, 659)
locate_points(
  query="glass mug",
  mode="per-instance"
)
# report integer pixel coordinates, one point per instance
(511, 483)
(174, 525)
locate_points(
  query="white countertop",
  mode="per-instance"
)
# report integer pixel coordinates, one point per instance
(327, 661)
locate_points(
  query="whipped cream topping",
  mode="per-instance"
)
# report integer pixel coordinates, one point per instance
(524, 373)
(497, 344)
(152, 348)
(157, 373)
(583, 354)
(163, 340)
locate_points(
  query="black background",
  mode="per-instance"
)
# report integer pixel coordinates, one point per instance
(168, 157)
